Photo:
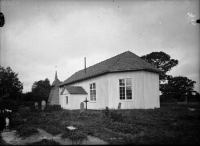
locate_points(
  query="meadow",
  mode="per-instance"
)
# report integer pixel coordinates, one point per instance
(169, 124)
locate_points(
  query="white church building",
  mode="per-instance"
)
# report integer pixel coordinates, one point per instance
(124, 79)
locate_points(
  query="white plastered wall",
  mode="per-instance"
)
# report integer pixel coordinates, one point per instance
(145, 90)
(74, 100)
(101, 91)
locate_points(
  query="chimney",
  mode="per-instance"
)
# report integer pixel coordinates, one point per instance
(85, 64)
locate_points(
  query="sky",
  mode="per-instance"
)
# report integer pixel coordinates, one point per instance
(40, 37)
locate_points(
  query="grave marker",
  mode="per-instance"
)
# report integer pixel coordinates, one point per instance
(119, 106)
(86, 101)
(43, 104)
(36, 105)
(82, 107)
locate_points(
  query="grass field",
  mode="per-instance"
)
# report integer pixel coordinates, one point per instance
(170, 124)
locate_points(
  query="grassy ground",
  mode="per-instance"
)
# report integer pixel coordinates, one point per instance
(170, 124)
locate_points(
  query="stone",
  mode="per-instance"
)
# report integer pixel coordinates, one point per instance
(71, 128)
(82, 107)
(119, 106)
(36, 105)
(43, 104)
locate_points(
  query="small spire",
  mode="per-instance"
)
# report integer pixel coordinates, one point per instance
(56, 77)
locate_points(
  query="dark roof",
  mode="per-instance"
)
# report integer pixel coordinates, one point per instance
(74, 90)
(54, 95)
(126, 61)
(56, 81)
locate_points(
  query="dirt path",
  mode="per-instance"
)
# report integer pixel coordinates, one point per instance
(10, 138)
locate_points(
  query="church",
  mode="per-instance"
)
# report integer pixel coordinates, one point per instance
(124, 79)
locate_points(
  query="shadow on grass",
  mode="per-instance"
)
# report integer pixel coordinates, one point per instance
(45, 142)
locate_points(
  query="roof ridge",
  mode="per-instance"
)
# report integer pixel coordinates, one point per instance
(103, 61)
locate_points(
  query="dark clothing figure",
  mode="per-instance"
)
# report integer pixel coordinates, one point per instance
(2, 123)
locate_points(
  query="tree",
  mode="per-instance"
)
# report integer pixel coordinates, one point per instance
(28, 96)
(41, 90)
(9, 83)
(162, 61)
(178, 86)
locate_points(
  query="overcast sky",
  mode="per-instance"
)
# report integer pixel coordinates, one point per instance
(40, 35)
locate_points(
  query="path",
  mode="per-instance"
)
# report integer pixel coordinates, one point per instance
(10, 138)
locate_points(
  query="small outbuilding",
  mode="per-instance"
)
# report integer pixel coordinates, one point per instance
(72, 96)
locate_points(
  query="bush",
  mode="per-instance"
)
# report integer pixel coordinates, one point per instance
(52, 108)
(16, 120)
(24, 111)
(25, 131)
(123, 128)
(28, 103)
(53, 130)
(9, 104)
(45, 142)
(106, 112)
(34, 120)
(115, 116)
(74, 135)
(85, 129)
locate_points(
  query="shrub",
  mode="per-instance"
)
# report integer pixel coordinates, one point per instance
(74, 135)
(85, 129)
(53, 130)
(34, 120)
(28, 103)
(106, 112)
(9, 104)
(24, 111)
(17, 120)
(123, 128)
(115, 116)
(52, 108)
(25, 131)
(45, 142)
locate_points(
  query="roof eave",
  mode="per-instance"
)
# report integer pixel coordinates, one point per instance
(150, 70)
(86, 78)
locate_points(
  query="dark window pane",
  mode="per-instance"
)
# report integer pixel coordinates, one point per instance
(121, 82)
(129, 92)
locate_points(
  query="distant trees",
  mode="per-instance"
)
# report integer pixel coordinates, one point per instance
(9, 83)
(178, 86)
(10, 89)
(169, 85)
(41, 90)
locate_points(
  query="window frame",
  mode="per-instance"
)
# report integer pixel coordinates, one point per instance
(93, 92)
(123, 96)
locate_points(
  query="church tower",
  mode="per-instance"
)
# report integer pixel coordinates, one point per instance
(54, 94)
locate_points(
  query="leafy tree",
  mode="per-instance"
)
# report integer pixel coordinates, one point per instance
(41, 90)
(9, 83)
(178, 86)
(162, 61)
(28, 96)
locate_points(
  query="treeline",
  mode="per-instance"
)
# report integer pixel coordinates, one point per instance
(177, 87)
(11, 96)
